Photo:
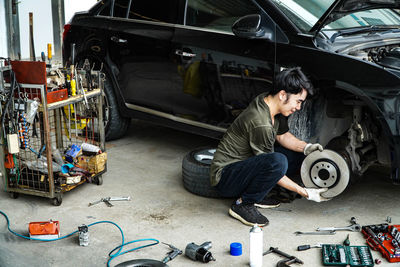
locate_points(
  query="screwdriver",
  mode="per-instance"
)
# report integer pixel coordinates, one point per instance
(305, 247)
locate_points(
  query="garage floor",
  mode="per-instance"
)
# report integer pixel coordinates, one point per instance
(146, 165)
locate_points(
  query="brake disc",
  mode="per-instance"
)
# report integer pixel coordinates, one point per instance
(325, 169)
(142, 263)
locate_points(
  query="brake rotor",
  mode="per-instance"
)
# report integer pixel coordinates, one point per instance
(325, 169)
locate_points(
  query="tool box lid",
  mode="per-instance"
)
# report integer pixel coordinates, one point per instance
(44, 228)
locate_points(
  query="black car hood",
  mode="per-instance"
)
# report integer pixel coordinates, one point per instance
(341, 8)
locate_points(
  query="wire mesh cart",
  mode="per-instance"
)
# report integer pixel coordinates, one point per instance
(52, 141)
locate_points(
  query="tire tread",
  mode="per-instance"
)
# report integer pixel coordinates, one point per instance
(196, 176)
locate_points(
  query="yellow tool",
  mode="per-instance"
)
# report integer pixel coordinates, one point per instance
(70, 116)
(49, 55)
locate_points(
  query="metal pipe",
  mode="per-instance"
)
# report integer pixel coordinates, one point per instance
(58, 15)
(12, 25)
(31, 38)
(47, 138)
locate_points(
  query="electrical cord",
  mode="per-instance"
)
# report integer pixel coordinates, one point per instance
(7, 109)
(111, 255)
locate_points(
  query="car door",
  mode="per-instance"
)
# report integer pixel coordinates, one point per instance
(139, 46)
(220, 73)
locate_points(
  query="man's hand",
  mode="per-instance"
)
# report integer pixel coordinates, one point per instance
(314, 194)
(309, 148)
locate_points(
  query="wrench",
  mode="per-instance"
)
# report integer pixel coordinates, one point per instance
(305, 247)
(353, 227)
(315, 233)
(108, 199)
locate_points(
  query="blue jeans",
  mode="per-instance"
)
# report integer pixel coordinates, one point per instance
(253, 178)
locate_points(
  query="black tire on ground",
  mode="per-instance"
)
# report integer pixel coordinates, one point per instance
(196, 172)
(115, 124)
(14, 195)
(98, 180)
(57, 200)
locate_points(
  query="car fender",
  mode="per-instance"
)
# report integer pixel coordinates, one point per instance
(385, 119)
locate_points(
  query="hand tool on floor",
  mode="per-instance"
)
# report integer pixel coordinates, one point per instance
(281, 209)
(305, 247)
(172, 254)
(353, 227)
(315, 233)
(108, 199)
(346, 242)
(199, 253)
(285, 262)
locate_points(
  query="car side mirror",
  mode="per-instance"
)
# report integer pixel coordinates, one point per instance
(250, 26)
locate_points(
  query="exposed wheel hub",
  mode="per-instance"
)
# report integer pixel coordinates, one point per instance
(324, 173)
(326, 169)
(205, 156)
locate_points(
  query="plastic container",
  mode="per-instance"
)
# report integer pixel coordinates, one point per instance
(236, 249)
(57, 156)
(90, 148)
(41, 165)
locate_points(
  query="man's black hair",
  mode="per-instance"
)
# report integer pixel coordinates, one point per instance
(292, 81)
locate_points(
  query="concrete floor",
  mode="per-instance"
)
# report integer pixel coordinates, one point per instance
(146, 165)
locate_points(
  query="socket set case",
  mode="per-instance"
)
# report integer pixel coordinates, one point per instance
(384, 238)
(339, 255)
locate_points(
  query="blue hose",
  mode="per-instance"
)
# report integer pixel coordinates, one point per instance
(111, 255)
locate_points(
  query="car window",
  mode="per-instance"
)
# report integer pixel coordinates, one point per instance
(105, 9)
(154, 10)
(304, 14)
(217, 15)
(375, 17)
(150, 10)
(121, 8)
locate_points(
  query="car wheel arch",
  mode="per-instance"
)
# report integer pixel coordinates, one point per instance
(382, 134)
(104, 64)
(117, 124)
(369, 103)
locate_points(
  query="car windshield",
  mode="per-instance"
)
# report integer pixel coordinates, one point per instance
(304, 14)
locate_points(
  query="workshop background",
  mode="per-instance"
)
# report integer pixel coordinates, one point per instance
(145, 168)
(146, 165)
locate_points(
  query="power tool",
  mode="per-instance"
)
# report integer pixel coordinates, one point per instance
(199, 253)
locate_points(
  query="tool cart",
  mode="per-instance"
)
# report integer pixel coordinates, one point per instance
(52, 131)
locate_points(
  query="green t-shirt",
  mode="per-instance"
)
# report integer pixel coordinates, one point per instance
(252, 133)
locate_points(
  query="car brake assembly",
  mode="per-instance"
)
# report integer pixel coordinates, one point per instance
(325, 169)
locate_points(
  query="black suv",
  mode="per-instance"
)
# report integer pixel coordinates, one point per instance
(196, 64)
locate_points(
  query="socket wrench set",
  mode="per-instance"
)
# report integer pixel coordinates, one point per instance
(338, 255)
(384, 238)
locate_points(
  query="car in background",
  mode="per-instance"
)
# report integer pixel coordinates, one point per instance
(194, 65)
